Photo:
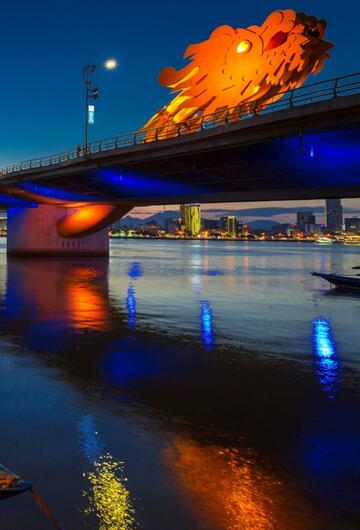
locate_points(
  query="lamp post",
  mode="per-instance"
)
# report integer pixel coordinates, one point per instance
(92, 93)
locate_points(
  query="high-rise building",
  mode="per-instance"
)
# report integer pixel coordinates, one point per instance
(334, 215)
(231, 226)
(305, 221)
(190, 215)
(240, 227)
(171, 225)
(223, 222)
(352, 224)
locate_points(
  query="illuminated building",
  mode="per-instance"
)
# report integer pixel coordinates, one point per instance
(306, 222)
(172, 225)
(352, 224)
(190, 215)
(231, 227)
(150, 229)
(240, 227)
(229, 224)
(334, 215)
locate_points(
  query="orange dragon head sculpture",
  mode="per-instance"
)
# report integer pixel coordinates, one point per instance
(238, 67)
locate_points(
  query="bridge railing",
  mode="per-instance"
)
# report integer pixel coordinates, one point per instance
(320, 91)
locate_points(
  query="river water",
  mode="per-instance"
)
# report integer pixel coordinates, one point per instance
(182, 385)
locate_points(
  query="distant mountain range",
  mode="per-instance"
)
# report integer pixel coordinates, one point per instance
(157, 218)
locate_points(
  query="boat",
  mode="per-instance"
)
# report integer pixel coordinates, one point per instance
(11, 484)
(348, 283)
(323, 240)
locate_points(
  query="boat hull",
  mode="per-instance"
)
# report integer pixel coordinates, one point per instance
(18, 488)
(347, 283)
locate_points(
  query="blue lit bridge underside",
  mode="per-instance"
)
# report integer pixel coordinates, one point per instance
(305, 152)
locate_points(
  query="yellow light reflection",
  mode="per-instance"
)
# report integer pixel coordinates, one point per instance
(109, 499)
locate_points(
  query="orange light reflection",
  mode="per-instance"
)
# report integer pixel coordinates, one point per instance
(229, 490)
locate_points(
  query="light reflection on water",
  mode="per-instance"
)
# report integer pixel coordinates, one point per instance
(152, 332)
(131, 306)
(207, 325)
(325, 353)
(108, 496)
(230, 490)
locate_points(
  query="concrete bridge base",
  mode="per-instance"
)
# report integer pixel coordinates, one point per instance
(33, 232)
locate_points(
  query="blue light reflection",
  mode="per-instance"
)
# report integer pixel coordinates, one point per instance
(325, 351)
(207, 325)
(89, 442)
(135, 270)
(131, 306)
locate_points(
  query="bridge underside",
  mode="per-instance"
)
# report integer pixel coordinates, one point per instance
(302, 166)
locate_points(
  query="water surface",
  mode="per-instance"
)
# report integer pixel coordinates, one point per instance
(182, 385)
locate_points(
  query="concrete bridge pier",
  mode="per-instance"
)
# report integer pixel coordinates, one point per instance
(33, 231)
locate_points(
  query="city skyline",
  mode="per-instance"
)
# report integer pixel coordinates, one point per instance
(279, 211)
(188, 218)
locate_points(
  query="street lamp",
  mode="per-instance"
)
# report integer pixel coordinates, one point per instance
(92, 93)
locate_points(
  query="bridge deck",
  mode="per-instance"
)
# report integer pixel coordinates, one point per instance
(310, 151)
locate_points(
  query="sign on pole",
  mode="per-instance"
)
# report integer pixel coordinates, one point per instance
(91, 114)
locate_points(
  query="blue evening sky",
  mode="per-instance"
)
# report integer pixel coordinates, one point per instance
(44, 46)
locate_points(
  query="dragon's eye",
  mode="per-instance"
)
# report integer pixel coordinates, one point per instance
(243, 46)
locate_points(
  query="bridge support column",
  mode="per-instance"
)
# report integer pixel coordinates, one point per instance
(33, 231)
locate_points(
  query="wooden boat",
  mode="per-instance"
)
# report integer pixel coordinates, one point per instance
(11, 484)
(348, 283)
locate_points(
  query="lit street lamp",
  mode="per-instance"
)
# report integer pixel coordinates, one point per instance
(92, 93)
